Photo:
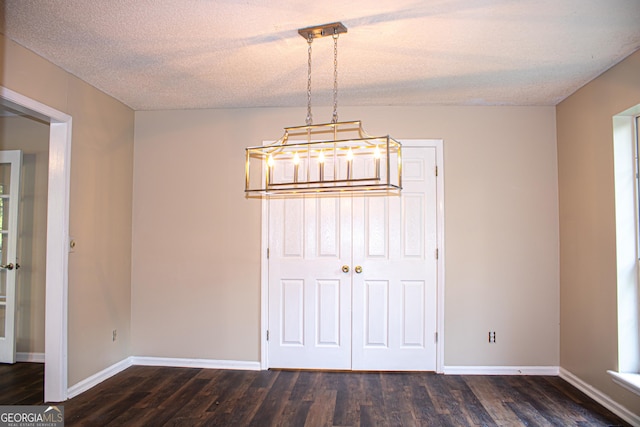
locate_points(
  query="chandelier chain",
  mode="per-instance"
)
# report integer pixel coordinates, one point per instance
(309, 119)
(335, 77)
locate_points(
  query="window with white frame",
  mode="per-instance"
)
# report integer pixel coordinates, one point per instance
(627, 195)
(636, 123)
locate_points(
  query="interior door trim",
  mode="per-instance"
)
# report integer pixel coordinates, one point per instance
(55, 371)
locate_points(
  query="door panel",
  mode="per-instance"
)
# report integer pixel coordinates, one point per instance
(376, 312)
(328, 309)
(376, 233)
(413, 313)
(328, 227)
(292, 306)
(413, 226)
(293, 233)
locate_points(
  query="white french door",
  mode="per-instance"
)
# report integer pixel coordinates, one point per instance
(352, 279)
(10, 165)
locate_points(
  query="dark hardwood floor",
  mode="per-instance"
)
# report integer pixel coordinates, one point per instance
(156, 396)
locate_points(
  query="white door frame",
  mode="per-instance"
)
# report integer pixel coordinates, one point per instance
(55, 371)
(264, 262)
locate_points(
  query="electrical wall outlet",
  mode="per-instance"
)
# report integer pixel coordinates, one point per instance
(492, 336)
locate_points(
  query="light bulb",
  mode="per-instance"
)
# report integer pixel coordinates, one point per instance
(321, 157)
(296, 159)
(376, 160)
(350, 154)
(270, 164)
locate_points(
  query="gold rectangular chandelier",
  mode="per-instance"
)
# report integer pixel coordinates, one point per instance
(324, 158)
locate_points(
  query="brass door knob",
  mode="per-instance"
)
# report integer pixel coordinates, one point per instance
(358, 269)
(7, 266)
(345, 268)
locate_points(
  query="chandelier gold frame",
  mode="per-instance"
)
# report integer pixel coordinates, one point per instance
(324, 158)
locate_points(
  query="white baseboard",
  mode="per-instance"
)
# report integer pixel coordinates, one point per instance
(195, 363)
(30, 357)
(97, 378)
(501, 370)
(600, 397)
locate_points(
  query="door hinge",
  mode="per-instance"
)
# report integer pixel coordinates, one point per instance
(267, 253)
(436, 337)
(436, 171)
(437, 253)
(267, 335)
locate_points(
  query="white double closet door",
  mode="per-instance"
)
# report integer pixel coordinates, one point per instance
(381, 313)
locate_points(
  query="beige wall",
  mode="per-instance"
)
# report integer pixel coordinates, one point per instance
(196, 239)
(587, 226)
(32, 137)
(100, 206)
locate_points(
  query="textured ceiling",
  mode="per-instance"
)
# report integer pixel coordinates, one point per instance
(180, 54)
